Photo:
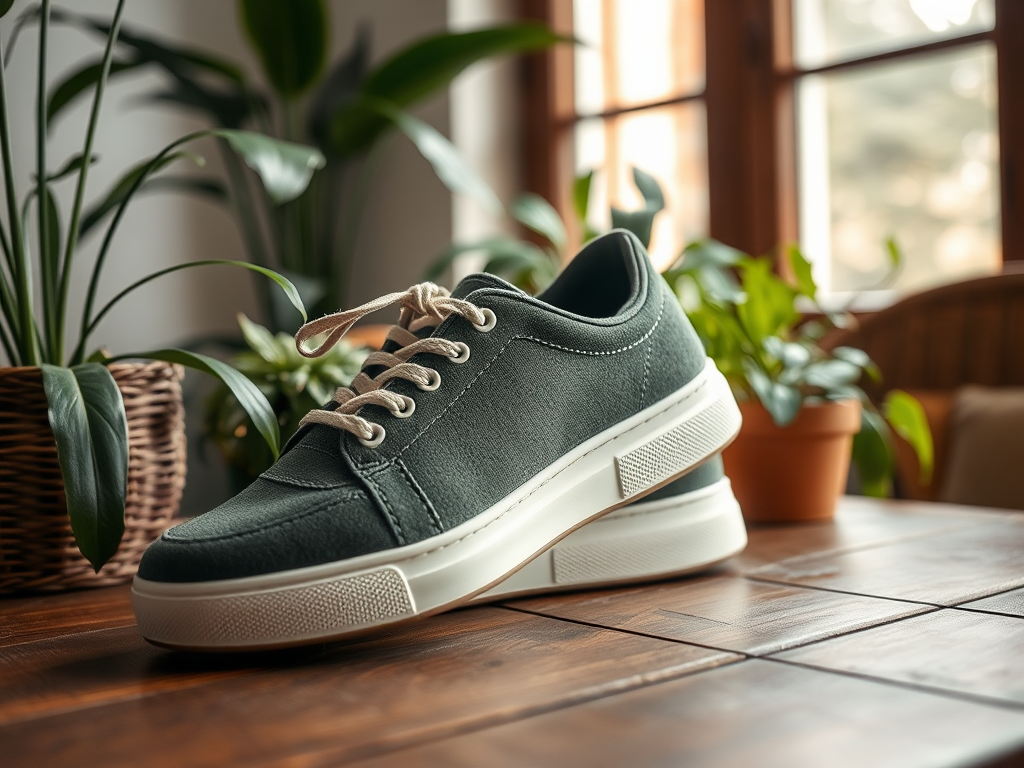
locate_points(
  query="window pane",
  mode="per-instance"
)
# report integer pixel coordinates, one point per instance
(833, 30)
(637, 51)
(908, 149)
(669, 143)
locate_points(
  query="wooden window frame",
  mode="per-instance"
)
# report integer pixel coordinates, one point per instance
(751, 117)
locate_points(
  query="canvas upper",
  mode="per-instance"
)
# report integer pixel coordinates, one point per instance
(606, 340)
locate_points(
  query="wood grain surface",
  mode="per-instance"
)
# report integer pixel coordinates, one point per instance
(458, 671)
(734, 614)
(867, 670)
(957, 651)
(944, 569)
(757, 713)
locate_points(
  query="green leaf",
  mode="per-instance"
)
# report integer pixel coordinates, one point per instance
(780, 400)
(802, 271)
(5, 6)
(448, 164)
(124, 185)
(769, 309)
(422, 69)
(260, 340)
(894, 253)
(340, 89)
(831, 374)
(637, 222)
(789, 354)
(86, 414)
(711, 253)
(80, 81)
(285, 168)
(428, 65)
(654, 199)
(447, 257)
(581, 195)
(904, 413)
(248, 394)
(852, 355)
(290, 39)
(535, 212)
(73, 165)
(872, 455)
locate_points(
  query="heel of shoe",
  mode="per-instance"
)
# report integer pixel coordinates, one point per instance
(700, 426)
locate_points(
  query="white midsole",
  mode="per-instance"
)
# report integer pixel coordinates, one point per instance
(620, 464)
(642, 541)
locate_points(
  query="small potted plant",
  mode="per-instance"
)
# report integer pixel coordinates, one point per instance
(803, 412)
(92, 446)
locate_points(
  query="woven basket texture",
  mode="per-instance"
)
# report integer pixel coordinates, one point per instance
(37, 548)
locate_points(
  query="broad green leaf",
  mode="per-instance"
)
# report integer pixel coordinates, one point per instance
(789, 354)
(207, 186)
(581, 195)
(5, 6)
(872, 456)
(831, 374)
(447, 257)
(448, 164)
(535, 212)
(285, 168)
(260, 340)
(80, 81)
(422, 69)
(904, 413)
(710, 253)
(86, 414)
(248, 394)
(123, 187)
(781, 401)
(290, 39)
(430, 64)
(769, 308)
(802, 271)
(227, 108)
(852, 355)
(654, 199)
(637, 222)
(340, 88)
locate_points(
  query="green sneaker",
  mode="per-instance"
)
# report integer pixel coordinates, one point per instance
(689, 525)
(492, 425)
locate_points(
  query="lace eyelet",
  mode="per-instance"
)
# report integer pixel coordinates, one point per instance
(435, 382)
(490, 320)
(378, 437)
(463, 355)
(407, 411)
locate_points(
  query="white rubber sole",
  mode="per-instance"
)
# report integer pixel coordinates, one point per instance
(645, 541)
(336, 600)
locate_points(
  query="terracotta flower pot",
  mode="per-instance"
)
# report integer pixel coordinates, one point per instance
(793, 473)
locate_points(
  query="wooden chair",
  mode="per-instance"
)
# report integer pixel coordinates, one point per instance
(935, 342)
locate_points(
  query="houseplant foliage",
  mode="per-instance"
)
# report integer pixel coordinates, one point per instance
(346, 110)
(748, 318)
(532, 267)
(293, 384)
(86, 410)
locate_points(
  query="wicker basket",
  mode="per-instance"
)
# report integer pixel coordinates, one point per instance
(37, 549)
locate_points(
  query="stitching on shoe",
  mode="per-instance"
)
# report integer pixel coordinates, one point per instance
(371, 478)
(501, 351)
(302, 483)
(434, 519)
(550, 479)
(350, 496)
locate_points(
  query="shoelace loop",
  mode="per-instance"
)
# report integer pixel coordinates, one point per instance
(423, 305)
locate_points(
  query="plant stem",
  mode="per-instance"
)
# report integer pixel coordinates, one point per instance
(46, 263)
(23, 274)
(76, 210)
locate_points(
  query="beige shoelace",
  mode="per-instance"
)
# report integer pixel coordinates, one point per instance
(423, 306)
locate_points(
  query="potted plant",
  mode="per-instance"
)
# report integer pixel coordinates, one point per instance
(91, 444)
(803, 413)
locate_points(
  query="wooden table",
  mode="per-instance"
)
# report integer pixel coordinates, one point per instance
(893, 637)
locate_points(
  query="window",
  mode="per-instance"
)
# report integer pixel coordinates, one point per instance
(835, 123)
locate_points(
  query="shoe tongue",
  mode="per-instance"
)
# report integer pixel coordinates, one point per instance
(480, 280)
